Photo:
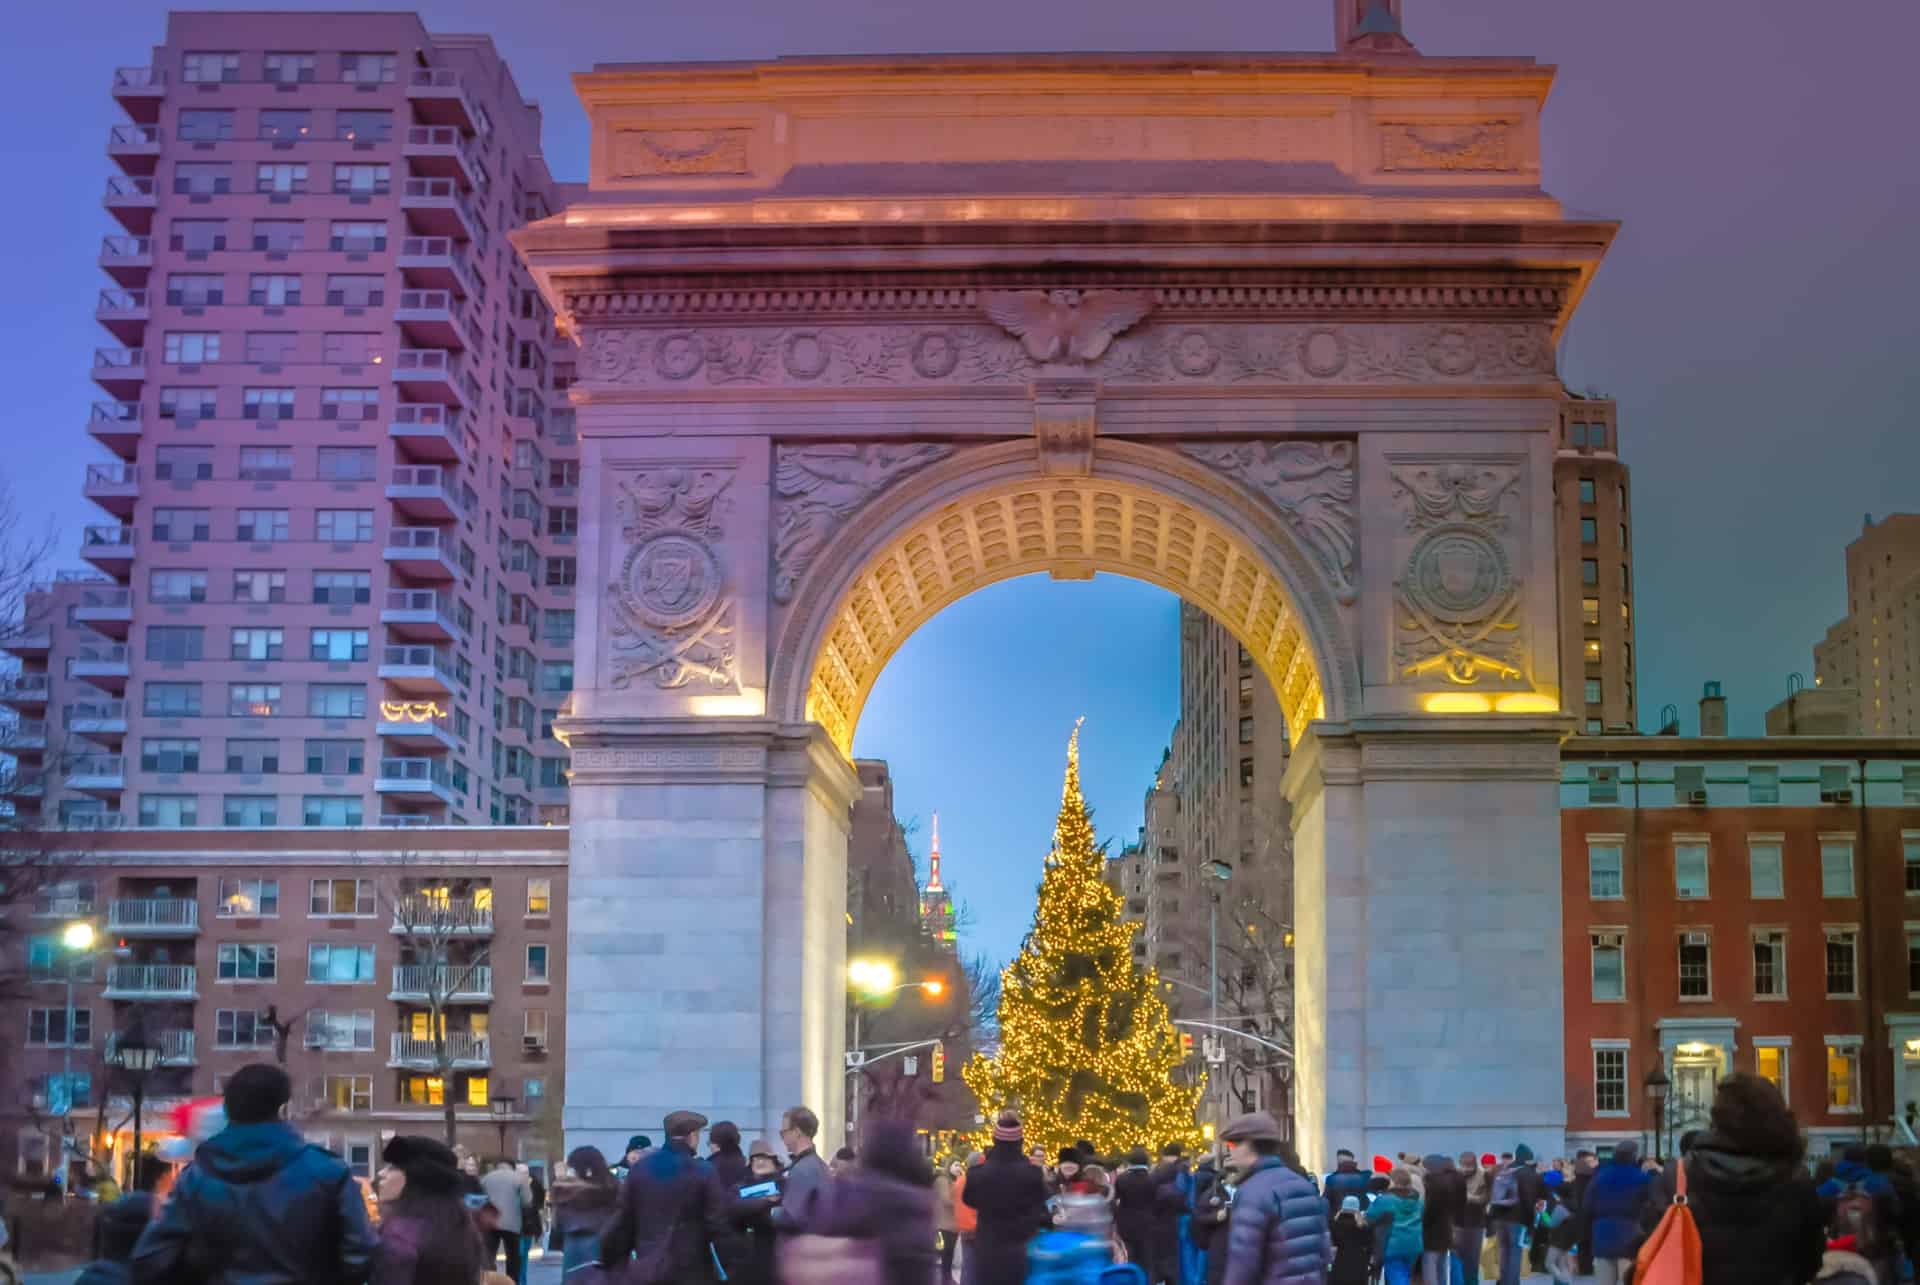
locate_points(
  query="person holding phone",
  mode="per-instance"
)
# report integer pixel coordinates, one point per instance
(755, 1199)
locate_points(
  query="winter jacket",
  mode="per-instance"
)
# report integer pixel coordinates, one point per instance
(1759, 1217)
(943, 1213)
(1010, 1195)
(1278, 1232)
(872, 1206)
(805, 1178)
(1352, 1250)
(1171, 1185)
(1532, 1192)
(1614, 1213)
(1207, 1227)
(1473, 1214)
(579, 1211)
(1134, 1203)
(398, 1260)
(1404, 1216)
(965, 1217)
(1445, 1204)
(671, 1210)
(105, 1272)
(1837, 1267)
(259, 1206)
(1346, 1181)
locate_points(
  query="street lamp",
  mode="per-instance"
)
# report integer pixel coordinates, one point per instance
(1220, 872)
(872, 980)
(76, 941)
(502, 1107)
(1658, 1086)
(137, 1058)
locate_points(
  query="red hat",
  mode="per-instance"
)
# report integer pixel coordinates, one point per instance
(1382, 1165)
(1489, 1160)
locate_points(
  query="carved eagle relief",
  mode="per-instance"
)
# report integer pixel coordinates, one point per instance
(1066, 325)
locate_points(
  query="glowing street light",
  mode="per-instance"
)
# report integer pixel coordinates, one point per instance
(79, 936)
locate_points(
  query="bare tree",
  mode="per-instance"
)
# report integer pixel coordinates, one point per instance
(23, 561)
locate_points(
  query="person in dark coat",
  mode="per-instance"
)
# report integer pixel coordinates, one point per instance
(1352, 1244)
(1517, 1192)
(1872, 1223)
(806, 1171)
(1585, 1165)
(1134, 1203)
(1207, 1226)
(886, 1197)
(1759, 1217)
(1010, 1196)
(117, 1231)
(258, 1203)
(1278, 1233)
(1172, 1184)
(1445, 1206)
(1612, 1216)
(1345, 1180)
(579, 1206)
(427, 1237)
(671, 1211)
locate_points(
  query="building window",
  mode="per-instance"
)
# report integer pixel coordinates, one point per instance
(343, 526)
(279, 178)
(361, 180)
(182, 526)
(195, 290)
(203, 125)
(170, 754)
(1913, 963)
(356, 237)
(1609, 966)
(252, 757)
(1605, 875)
(346, 463)
(1764, 864)
(240, 1028)
(362, 126)
(249, 898)
(1589, 572)
(342, 587)
(250, 810)
(1843, 1077)
(1591, 650)
(350, 290)
(177, 586)
(367, 69)
(171, 700)
(1690, 871)
(202, 178)
(260, 526)
(1590, 611)
(539, 898)
(1246, 771)
(336, 700)
(350, 404)
(1589, 531)
(280, 236)
(192, 347)
(346, 1093)
(259, 586)
(1610, 1081)
(1836, 869)
(1770, 1063)
(336, 758)
(1910, 849)
(1593, 691)
(48, 1026)
(1763, 784)
(330, 962)
(267, 290)
(345, 1031)
(265, 463)
(248, 961)
(285, 124)
(188, 406)
(1769, 963)
(536, 1030)
(200, 68)
(319, 810)
(1246, 731)
(169, 811)
(1842, 974)
(1696, 965)
(289, 69)
(337, 644)
(537, 962)
(1586, 490)
(253, 700)
(257, 644)
(1603, 785)
(341, 898)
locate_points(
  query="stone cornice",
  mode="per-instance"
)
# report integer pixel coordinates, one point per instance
(721, 750)
(1452, 747)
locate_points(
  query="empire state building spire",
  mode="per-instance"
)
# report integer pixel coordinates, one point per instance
(933, 862)
(936, 904)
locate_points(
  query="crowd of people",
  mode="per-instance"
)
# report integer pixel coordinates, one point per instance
(259, 1204)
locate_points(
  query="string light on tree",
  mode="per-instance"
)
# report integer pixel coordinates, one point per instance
(1086, 1047)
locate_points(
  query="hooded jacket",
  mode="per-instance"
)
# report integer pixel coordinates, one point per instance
(1344, 1181)
(259, 1205)
(1760, 1220)
(1010, 1195)
(1616, 1206)
(1445, 1204)
(579, 1211)
(1278, 1232)
(1404, 1215)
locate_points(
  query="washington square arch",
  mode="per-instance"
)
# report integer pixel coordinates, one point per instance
(859, 336)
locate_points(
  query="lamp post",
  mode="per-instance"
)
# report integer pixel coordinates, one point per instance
(76, 942)
(1658, 1086)
(137, 1058)
(501, 1105)
(1220, 872)
(874, 979)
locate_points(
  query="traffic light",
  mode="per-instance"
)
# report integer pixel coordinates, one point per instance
(939, 1063)
(1186, 1044)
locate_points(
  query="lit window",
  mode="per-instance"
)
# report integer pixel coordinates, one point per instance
(1590, 611)
(539, 898)
(1592, 650)
(1770, 1063)
(1843, 1077)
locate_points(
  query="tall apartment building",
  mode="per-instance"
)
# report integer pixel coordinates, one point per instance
(348, 939)
(337, 549)
(1873, 651)
(1593, 533)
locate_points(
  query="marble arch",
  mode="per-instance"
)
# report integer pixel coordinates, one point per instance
(857, 335)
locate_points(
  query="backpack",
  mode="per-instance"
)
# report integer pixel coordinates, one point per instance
(1506, 1186)
(831, 1260)
(1855, 1216)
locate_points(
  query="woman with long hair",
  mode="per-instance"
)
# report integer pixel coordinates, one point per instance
(1759, 1217)
(581, 1204)
(427, 1237)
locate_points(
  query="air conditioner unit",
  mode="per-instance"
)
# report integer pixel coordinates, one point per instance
(316, 1039)
(1697, 798)
(1836, 796)
(534, 1043)
(1696, 939)
(1615, 940)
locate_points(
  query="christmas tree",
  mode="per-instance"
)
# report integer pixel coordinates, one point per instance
(1086, 1048)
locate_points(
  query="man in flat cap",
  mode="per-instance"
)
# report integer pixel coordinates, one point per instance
(1277, 1234)
(672, 1210)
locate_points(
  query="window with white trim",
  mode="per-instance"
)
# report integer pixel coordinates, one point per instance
(1769, 963)
(248, 898)
(1843, 974)
(1771, 1062)
(340, 1030)
(1843, 1075)
(340, 898)
(241, 1028)
(1610, 1081)
(1836, 868)
(248, 961)
(1763, 783)
(337, 963)
(1696, 964)
(1766, 869)
(1606, 877)
(1609, 965)
(1690, 871)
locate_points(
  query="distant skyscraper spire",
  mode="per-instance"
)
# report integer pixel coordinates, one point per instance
(933, 862)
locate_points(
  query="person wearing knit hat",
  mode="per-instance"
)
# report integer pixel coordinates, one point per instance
(1353, 1244)
(1066, 1170)
(1135, 1198)
(1517, 1192)
(424, 1223)
(1010, 1197)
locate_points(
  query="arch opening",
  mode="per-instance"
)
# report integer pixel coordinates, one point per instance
(992, 514)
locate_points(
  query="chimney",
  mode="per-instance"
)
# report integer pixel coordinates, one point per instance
(1713, 711)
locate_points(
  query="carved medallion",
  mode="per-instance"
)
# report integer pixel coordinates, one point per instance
(935, 354)
(1193, 353)
(1450, 351)
(1458, 614)
(670, 580)
(679, 355)
(1323, 352)
(610, 355)
(672, 622)
(804, 354)
(1448, 146)
(1457, 572)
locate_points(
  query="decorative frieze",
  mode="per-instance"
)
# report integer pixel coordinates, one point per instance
(674, 153)
(1458, 595)
(818, 487)
(1444, 147)
(1312, 485)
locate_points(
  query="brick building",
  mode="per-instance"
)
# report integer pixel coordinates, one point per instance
(1741, 905)
(352, 936)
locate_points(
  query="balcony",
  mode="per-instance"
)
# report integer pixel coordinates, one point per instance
(423, 552)
(437, 207)
(23, 789)
(154, 917)
(465, 1052)
(415, 727)
(25, 691)
(417, 670)
(439, 151)
(120, 371)
(105, 665)
(27, 739)
(423, 493)
(21, 641)
(439, 98)
(127, 259)
(452, 983)
(427, 431)
(135, 147)
(151, 981)
(176, 1048)
(443, 916)
(103, 774)
(405, 820)
(117, 426)
(436, 262)
(140, 91)
(124, 313)
(94, 821)
(114, 487)
(432, 319)
(97, 720)
(431, 374)
(416, 780)
(108, 548)
(132, 199)
(416, 615)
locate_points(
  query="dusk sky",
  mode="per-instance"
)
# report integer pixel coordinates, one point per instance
(1755, 320)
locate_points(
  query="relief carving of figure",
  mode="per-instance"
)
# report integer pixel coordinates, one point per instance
(817, 488)
(1312, 483)
(1066, 325)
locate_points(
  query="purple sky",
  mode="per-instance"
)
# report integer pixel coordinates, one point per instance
(1756, 321)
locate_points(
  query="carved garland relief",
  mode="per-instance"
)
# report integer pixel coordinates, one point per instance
(668, 153)
(1457, 599)
(1439, 147)
(673, 618)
